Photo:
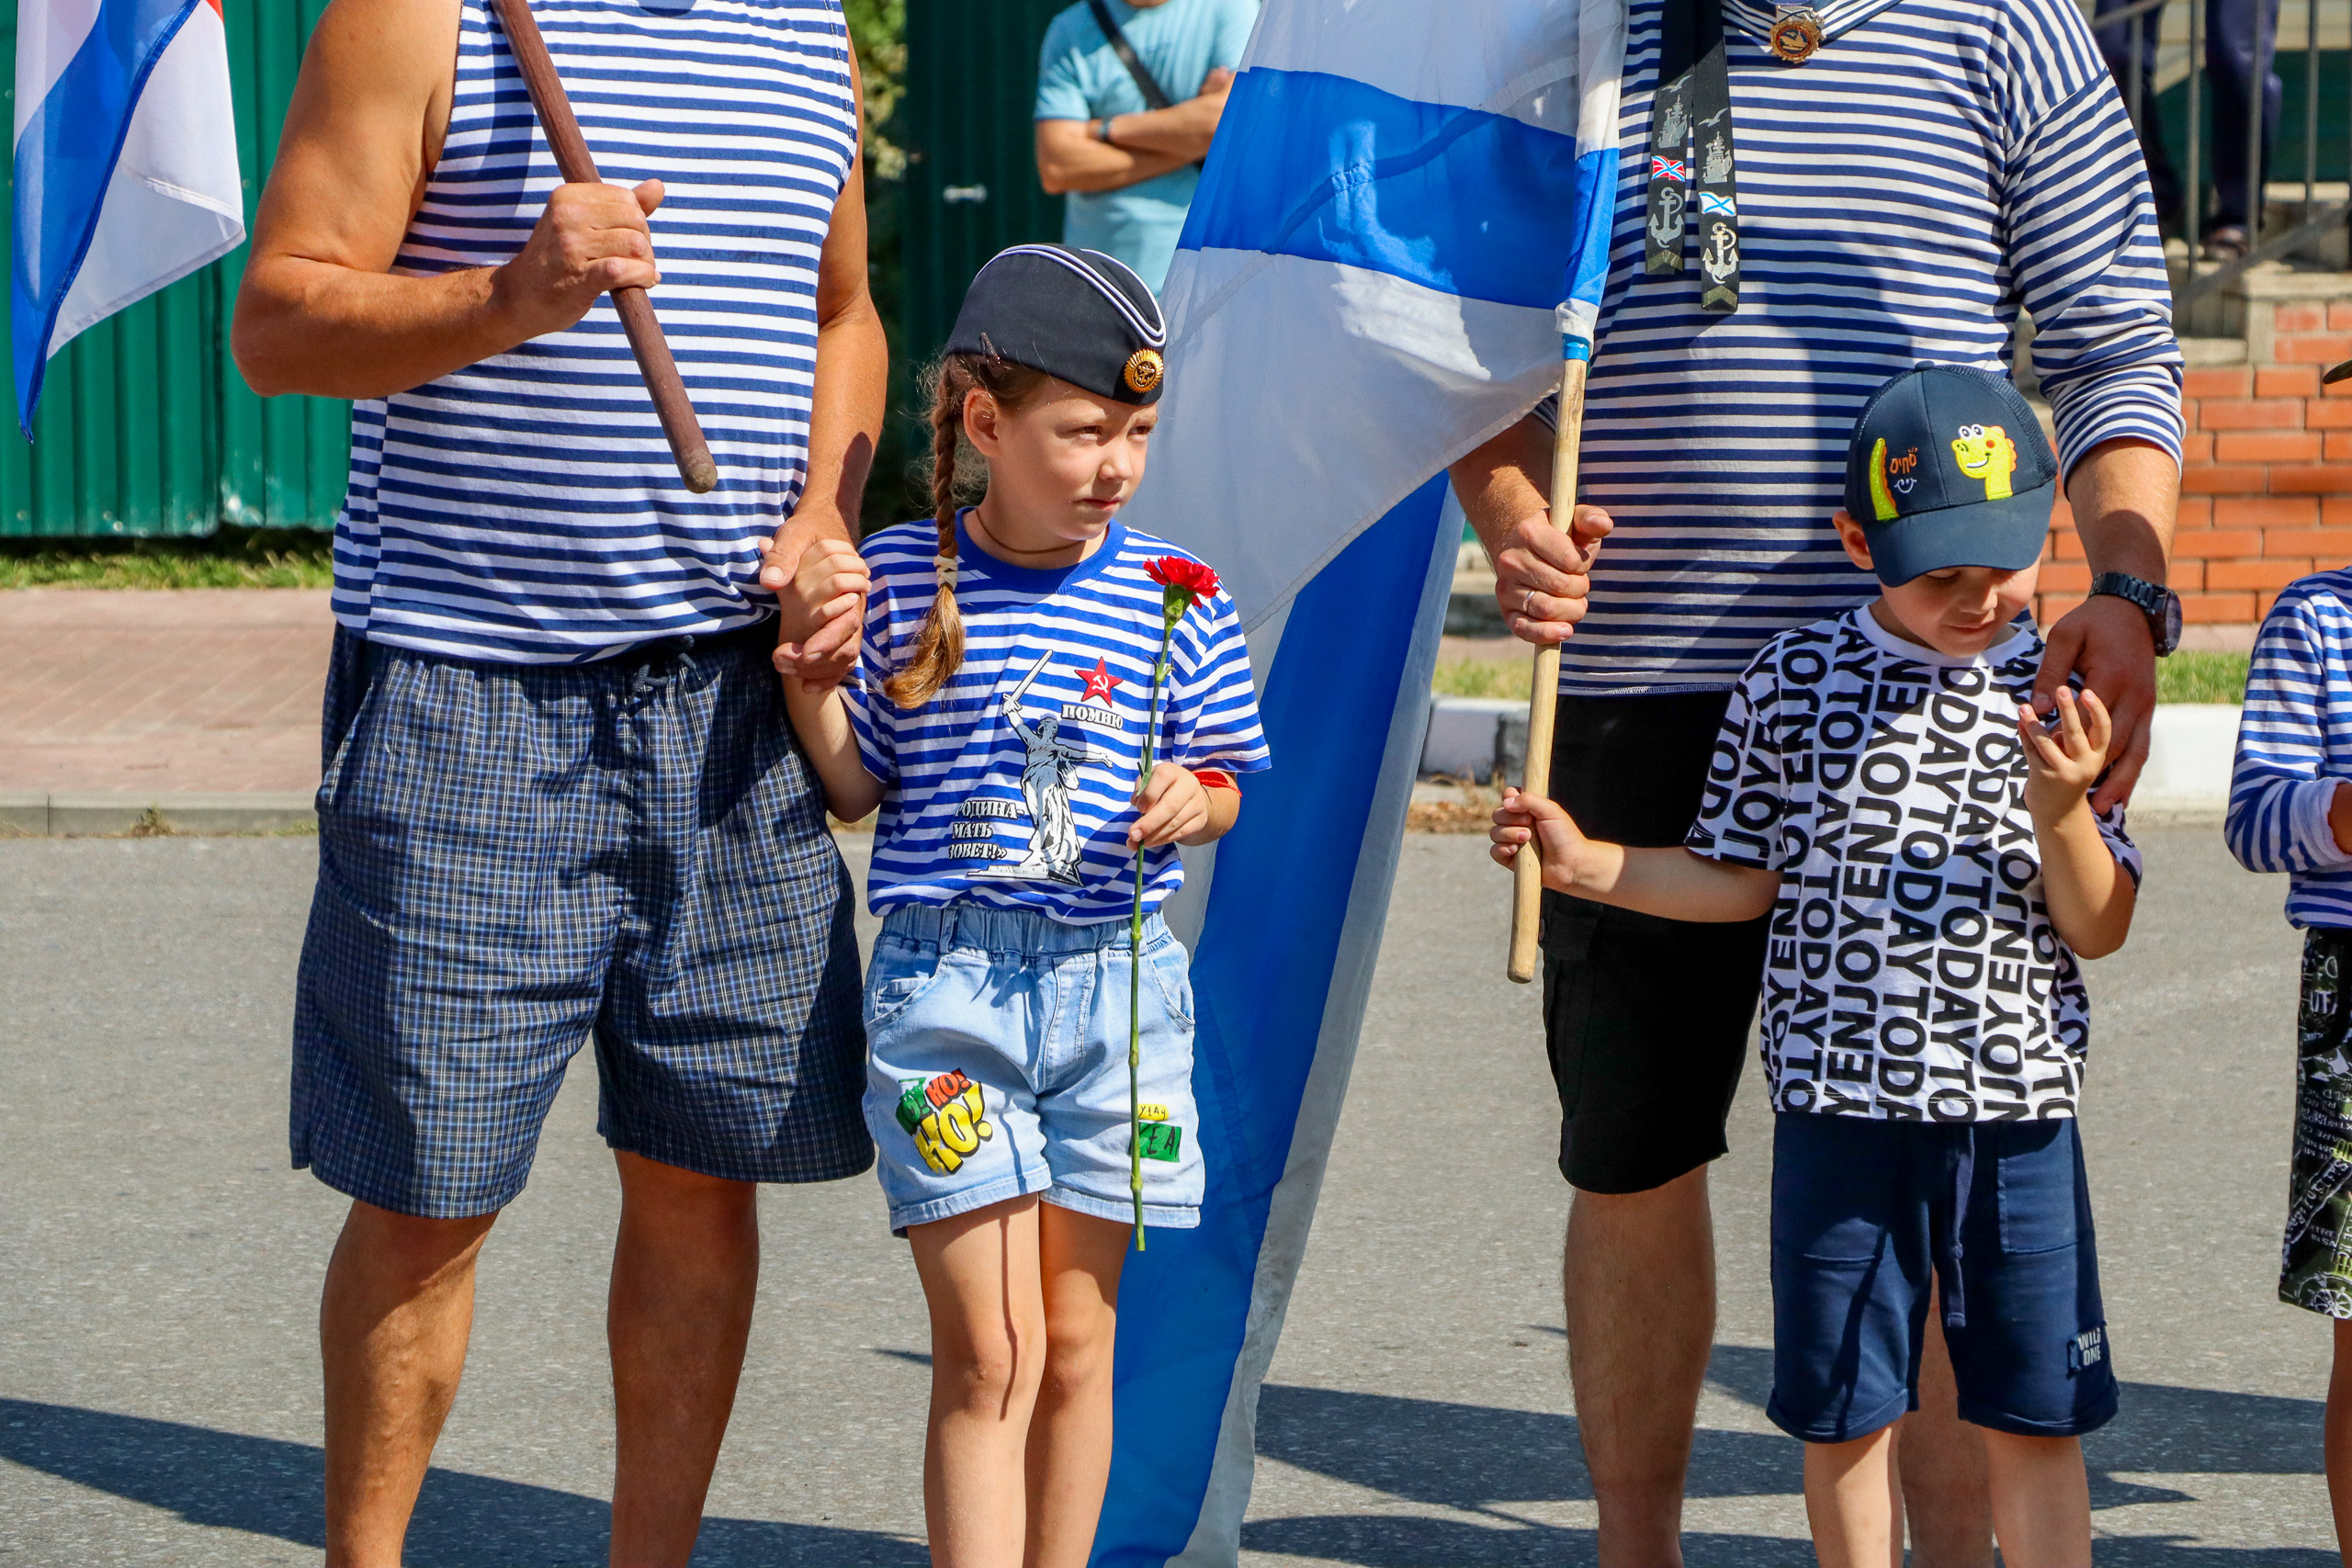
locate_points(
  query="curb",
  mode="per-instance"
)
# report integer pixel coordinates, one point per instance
(94, 813)
(2188, 774)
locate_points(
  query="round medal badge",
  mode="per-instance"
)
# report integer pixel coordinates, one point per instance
(1144, 370)
(1796, 35)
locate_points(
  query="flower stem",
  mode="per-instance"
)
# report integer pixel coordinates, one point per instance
(1135, 953)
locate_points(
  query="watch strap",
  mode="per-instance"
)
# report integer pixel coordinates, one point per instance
(2153, 600)
(2123, 586)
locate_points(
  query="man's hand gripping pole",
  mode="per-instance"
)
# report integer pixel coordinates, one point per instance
(1542, 698)
(578, 167)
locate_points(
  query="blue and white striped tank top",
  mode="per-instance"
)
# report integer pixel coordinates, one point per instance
(525, 508)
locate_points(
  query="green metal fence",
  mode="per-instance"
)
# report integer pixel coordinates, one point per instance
(145, 427)
(969, 190)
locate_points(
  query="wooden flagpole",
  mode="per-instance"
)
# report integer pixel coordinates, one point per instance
(578, 167)
(1543, 697)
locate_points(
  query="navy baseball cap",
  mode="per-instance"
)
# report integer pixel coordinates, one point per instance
(1081, 315)
(1948, 467)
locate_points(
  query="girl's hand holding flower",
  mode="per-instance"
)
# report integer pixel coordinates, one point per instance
(1175, 807)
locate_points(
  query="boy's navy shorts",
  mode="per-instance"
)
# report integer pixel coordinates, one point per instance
(1867, 1214)
(516, 859)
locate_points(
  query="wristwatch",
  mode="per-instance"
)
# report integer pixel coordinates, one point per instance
(2160, 604)
(1103, 128)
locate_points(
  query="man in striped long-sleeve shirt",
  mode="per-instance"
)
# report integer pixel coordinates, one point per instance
(1897, 195)
(2290, 811)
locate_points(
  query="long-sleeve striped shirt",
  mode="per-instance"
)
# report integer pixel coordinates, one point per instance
(1898, 194)
(2295, 747)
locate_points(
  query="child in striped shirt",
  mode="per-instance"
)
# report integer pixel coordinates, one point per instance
(2290, 811)
(1005, 703)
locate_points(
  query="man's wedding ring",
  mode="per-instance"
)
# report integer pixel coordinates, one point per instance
(1527, 606)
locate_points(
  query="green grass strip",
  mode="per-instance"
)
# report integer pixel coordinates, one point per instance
(236, 559)
(2205, 676)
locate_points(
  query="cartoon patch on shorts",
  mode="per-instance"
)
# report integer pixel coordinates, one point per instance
(1156, 1136)
(946, 1118)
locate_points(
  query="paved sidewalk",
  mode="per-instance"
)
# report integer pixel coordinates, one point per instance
(197, 691)
(158, 1353)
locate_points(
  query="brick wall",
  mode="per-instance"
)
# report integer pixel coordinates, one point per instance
(2266, 481)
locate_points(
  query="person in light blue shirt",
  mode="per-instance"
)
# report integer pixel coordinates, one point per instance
(1127, 171)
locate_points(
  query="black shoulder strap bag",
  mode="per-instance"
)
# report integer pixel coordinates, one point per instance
(1146, 82)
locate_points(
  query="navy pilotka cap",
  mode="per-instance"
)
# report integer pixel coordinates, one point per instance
(1079, 315)
(1948, 467)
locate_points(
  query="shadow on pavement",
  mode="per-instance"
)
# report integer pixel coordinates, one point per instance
(1476, 1460)
(1471, 1459)
(266, 1487)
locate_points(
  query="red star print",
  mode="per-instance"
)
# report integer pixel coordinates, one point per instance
(1099, 682)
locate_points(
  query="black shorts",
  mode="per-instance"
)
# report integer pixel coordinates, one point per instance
(1646, 1019)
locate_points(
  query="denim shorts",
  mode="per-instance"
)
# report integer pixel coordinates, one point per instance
(1867, 1214)
(997, 1066)
(516, 860)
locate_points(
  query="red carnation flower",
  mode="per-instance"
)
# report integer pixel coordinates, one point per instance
(1188, 576)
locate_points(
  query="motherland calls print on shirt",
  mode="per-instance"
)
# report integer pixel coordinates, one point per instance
(1912, 972)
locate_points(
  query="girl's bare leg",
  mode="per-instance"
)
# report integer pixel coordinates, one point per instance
(1069, 1441)
(2041, 1499)
(2339, 1439)
(987, 1351)
(1853, 1499)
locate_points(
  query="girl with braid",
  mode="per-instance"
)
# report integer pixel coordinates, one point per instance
(998, 720)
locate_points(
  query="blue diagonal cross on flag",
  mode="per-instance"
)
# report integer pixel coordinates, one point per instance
(126, 164)
(1721, 206)
(1403, 226)
(1670, 169)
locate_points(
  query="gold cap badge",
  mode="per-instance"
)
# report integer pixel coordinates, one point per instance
(1796, 35)
(1144, 370)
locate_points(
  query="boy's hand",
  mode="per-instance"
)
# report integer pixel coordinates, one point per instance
(1174, 805)
(1558, 840)
(829, 584)
(2060, 768)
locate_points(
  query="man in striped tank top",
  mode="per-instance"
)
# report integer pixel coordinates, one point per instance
(560, 800)
(1876, 185)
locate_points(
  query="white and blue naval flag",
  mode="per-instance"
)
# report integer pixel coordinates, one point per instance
(126, 164)
(1399, 198)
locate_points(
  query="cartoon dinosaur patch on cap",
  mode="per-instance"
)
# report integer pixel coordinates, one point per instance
(1986, 453)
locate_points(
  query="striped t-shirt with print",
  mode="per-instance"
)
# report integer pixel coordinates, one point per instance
(2295, 748)
(525, 508)
(1897, 195)
(1013, 786)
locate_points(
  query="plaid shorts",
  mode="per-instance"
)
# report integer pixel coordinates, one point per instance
(515, 859)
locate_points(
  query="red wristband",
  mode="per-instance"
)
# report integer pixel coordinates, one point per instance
(1216, 778)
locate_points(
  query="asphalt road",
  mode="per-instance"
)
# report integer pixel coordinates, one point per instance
(159, 1269)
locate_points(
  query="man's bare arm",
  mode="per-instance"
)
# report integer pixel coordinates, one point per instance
(1542, 577)
(2125, 494)
(318, 311)
(1070, 157)
(852, 393)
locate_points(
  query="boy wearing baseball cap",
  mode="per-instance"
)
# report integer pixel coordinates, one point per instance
(1928, 852)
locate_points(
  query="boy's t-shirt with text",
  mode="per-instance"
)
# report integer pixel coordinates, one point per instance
(1013, 787)
(1912, 973)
